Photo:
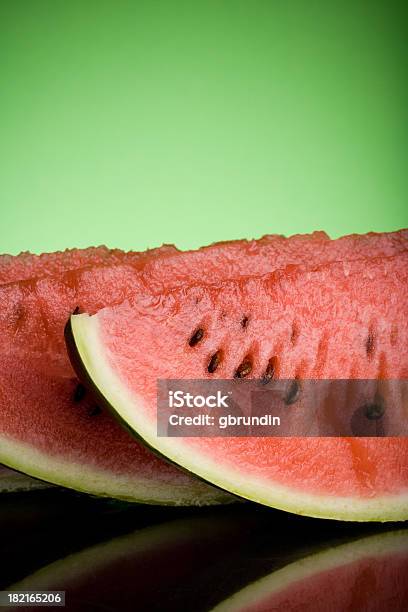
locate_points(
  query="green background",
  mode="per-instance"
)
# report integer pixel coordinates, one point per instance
(137, 123)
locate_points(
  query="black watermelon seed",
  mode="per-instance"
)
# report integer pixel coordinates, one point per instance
(196, 337)
(244, 322)
(373, 412)
(244, 369)
(293, 393)
(269, 372)
(370, 344)
(367, 421)
(214, 362)
(79, 393)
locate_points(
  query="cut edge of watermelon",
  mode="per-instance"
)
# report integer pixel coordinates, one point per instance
(28, 460)
(324, 561)
(84, 345)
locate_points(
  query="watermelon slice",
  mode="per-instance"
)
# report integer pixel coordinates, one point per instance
(368, 574)
(27, 265)
(49, 429)
(130, 482)
(340, 320)
(60, 441)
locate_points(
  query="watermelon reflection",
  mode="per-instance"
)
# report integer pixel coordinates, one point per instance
(234, 559)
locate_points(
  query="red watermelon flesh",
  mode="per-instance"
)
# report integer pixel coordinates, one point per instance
(267, 253)
(341, 320)
(230, 260)
(27, 265)
(33, 314)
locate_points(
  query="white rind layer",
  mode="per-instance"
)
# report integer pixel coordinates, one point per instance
(131, 409)
(83, 478)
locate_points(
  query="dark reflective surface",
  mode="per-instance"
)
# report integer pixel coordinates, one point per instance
(109, 555)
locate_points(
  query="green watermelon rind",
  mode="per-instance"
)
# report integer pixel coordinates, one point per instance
(391, 542)
(87, 354)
